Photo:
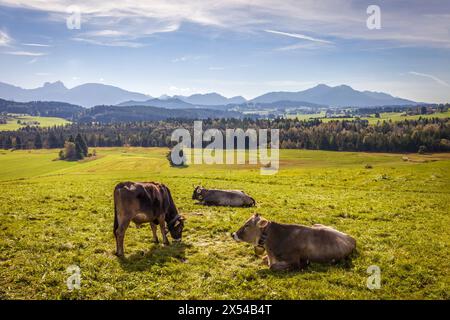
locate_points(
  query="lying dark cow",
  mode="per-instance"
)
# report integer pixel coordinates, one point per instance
(143, 202)
(291, 247)
(214, 197)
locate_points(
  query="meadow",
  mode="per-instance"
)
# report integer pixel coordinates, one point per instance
(384, 116)
(43, 122)
(54, 214)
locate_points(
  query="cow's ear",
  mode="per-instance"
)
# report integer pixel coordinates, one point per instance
(262, 223)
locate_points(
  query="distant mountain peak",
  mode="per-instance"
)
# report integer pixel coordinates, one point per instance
(211, 99)
(322, 85)
(57, 84)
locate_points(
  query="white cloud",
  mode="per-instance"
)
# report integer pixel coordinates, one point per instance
(430, 76)
(177, 90)
(36, 45)
(288, 83)
(216, 68)
(5, 39)
(188, 58)
(129, 44)
(299, 36)
(421, 23)
(105, 33)
(25, 53)
(307, 46)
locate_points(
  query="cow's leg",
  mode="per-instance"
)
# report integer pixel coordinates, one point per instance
(162, 227)
(303, 263)
(120, 235)
(277, 265)
(155, 236)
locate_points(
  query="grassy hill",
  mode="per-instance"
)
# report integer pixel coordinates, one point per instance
(54, 214)
(43, 122)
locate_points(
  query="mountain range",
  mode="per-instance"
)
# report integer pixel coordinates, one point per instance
(211, 99)
(339, 96)
(86, 95)
(92, 94)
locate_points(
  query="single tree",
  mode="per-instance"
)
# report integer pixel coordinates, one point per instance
(82, 148)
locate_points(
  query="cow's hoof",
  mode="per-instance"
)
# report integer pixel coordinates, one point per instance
(120, 255)
(165, 244)
(155, 241)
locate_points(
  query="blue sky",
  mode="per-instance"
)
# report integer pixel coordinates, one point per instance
(232, 47)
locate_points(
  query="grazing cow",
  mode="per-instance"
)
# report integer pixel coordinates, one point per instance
(215, 197)
(143, 202)
(291, 247)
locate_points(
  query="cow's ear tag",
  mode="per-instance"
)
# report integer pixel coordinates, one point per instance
(177, 223)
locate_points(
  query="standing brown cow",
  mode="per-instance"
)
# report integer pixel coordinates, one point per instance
(143, 202)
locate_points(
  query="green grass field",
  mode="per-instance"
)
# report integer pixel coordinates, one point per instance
(43, 122)
(54, 214)
(385, 116)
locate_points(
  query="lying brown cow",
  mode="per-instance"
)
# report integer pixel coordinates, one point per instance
(143, 202)
(291, 246)
(215, 197)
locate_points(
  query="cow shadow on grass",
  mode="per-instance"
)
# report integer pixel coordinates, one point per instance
(156, 255)
(344, 265)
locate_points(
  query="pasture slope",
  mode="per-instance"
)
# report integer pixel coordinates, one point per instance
(12, 124)
(54, 214)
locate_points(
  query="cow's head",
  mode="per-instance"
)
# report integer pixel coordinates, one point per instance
(252, 229)
(175, 227)
(198, 193)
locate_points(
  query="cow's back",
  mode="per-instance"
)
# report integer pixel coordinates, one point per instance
(232, 198)
(316, 244)
(328, 244)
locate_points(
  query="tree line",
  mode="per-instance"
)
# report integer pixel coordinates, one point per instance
(341, 135)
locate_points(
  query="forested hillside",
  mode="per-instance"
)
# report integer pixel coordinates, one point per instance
(385, 136)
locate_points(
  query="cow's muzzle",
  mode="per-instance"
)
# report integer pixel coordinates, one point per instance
(235, 236)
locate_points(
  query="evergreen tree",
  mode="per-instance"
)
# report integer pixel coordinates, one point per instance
(52, 141)
(8, 143)
(18, 143)
(81, 145)
(38, 141)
